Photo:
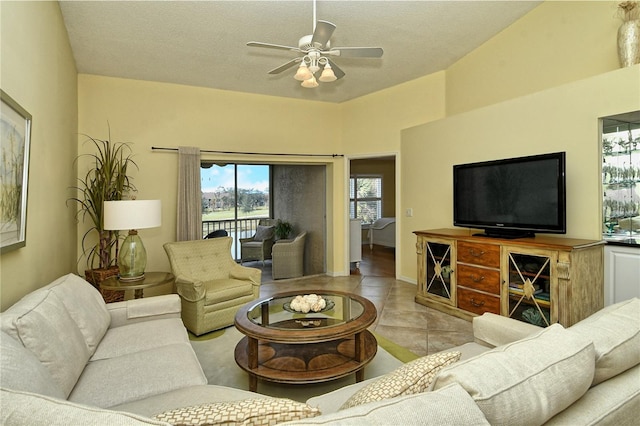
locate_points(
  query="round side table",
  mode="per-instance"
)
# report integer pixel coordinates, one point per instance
(151, 279)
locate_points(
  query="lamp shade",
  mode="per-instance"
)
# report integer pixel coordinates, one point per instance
(310, 83)
(327, 75)
(132, 214)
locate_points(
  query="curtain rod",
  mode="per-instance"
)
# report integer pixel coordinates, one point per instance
(156, 148)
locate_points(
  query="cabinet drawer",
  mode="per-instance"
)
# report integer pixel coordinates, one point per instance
(478, 303)
(479, 254)
(479, 278)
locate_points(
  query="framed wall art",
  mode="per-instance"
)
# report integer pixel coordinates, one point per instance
(15, 138)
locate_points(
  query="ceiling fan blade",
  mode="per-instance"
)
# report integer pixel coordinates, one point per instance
(356, 52)
(336, 69)
(272, 46)
(285, 66)
(322, 34)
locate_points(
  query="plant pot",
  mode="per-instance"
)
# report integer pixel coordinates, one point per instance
(96, 276)
(629, 43)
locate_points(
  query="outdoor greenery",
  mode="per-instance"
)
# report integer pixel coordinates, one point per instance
(366, 198)
(106, 180)
(223, 200)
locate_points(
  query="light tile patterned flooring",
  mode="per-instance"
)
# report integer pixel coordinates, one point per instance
(418, 328)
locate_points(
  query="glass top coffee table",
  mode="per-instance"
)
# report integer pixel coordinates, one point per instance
(285, 346)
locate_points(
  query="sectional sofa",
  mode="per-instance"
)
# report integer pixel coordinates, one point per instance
(69, 358)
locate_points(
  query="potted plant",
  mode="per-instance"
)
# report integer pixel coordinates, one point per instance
(283, 229)
(106, 180)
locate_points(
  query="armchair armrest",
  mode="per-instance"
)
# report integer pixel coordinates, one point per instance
(139, 310)
(240, 272)
(189, 289)
(496, 330)
(245, 240)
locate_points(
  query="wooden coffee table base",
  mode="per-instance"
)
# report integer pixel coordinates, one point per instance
(307, 362)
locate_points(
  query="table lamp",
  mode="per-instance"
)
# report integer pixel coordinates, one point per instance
(132, 215)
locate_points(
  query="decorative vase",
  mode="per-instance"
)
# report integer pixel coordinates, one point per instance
(629, 43)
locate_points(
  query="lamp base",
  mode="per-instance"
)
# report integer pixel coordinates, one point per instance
(131, 279)
(132, 260)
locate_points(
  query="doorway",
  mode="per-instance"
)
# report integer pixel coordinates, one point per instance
(375, 178)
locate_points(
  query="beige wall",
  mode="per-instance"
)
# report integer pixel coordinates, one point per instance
(38, 72)
(559, 119)
(167, 115)
(556, 43)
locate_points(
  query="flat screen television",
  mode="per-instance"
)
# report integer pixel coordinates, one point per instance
(513, 197)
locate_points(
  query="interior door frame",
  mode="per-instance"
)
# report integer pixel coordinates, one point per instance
(348, 159)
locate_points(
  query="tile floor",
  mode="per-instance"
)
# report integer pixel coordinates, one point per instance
(418, 328)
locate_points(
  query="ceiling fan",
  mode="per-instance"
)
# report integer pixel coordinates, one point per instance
(314, 51)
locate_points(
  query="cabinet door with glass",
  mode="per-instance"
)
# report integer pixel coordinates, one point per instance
(530, 286)
(437, 258)
(621, 178)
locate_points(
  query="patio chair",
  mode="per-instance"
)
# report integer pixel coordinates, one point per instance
(258, 247)
(288, 257)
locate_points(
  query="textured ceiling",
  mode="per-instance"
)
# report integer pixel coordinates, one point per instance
(203, 43)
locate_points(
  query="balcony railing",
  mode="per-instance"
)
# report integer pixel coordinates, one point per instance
(240, 228)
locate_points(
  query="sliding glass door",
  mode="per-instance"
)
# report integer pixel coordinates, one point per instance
(234, 198)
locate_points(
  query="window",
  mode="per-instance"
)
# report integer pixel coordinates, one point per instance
(365, 194)
(234, 198)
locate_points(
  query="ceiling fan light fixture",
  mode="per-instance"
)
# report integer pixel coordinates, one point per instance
(310, 83)
(303, 72)
(327, 75)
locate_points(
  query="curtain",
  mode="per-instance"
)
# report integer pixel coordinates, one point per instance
(189, 218)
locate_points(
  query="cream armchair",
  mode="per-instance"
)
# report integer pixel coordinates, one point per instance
(288, 257)
(211, 285)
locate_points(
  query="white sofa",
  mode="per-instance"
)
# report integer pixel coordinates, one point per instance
(67, 358)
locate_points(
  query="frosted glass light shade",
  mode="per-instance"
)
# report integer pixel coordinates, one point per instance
(327, 75)
(310, 83)
(303, 73)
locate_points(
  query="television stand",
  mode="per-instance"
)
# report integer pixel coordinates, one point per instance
(540, 280)
(506, 234)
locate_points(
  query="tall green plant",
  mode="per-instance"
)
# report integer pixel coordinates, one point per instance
(107, 180)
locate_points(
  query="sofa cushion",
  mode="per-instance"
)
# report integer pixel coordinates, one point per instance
(85, 305)
(615, 332)
(218, 291)
(450, 405)
(113, 381)
(413, 377)
(183, 397)
(21, 370)
(534, 378)
(41, 322)
(141, 336)
(24, 408)
(81, 300)
(613, 402)
(255, 412)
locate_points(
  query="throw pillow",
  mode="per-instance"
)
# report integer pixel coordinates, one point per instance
(527, 381)
(256, 412)
(411, 378)
(615, 332)
(263, 232)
